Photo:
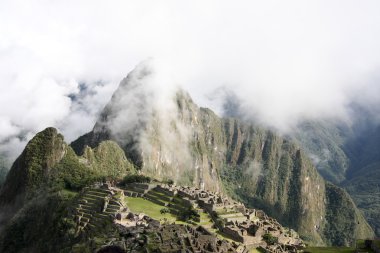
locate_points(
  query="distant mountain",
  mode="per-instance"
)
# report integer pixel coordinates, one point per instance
(175, 139)
(323, 141)
(349, 155)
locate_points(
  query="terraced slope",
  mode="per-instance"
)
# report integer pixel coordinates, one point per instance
(97, 208)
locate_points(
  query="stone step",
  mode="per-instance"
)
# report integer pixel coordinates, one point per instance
(114, 206)
(85, 206)
(114, 202)
(83, 224)
(101, 216)
(85, 219)
(112, 210)
(93, 196)
(133, 194)
(90, 202)
(92, 199)
(159, 196)
(154, 200)
(101, 190)
(86, 215)
(99, 193)
(177, 207)
(110, 213)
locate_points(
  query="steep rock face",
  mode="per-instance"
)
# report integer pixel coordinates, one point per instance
(273, 174)
(192, 145)
(171, 139)
(323, 141)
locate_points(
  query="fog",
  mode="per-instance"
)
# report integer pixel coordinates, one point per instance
(60, 61)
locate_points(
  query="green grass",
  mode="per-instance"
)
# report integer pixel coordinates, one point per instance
(330, 250)
(69, 193)
(205, 219)
(140, 205)
(254, 251)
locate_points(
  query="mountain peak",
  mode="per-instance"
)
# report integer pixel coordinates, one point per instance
(166, 136)
(29, 170)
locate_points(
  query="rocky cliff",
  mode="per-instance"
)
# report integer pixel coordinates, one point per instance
(167, 136)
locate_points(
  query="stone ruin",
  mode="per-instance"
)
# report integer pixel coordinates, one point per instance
(96, 207)
(246, 227)
(233, 219)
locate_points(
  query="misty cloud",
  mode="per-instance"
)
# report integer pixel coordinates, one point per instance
(143, 116)
(254, 170)
(283, 61)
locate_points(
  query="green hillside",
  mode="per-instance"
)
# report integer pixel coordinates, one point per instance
(349, 156)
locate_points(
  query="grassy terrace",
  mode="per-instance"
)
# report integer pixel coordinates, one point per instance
(254, 251)
(360, 244)
(330, 250)
(334, 250)
(140, 205)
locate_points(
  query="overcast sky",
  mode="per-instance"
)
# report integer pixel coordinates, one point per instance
(60, 61)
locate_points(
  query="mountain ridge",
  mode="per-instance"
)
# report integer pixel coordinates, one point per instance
(209, 144)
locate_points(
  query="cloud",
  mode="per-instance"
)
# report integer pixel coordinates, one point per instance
(61, 61)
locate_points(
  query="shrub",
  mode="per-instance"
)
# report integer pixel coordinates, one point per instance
(189, 214)
(168, 181)
(136, 179)
(270, 239)
(164, 210)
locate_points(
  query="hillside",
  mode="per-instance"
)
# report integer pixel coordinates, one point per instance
(41, 185)
(348, 155)
(323, 142)
(193, 146)
(3, 170)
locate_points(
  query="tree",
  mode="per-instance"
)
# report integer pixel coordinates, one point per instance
(165, 210)
(270, 239)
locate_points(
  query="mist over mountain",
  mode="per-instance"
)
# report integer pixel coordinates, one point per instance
(284, 61)
(172, 138)
(274, 104)
(345, 151)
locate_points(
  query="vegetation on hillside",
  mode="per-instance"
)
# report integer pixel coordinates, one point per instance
(3, 170)
(341, 216)
(323, 141)
(50, 174)
(135, 179)
(40, 226)
(365, 190)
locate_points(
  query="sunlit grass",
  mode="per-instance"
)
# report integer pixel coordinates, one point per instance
(140, 205)
(330, 250)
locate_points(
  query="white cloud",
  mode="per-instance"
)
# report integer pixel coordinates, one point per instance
(284, 59)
